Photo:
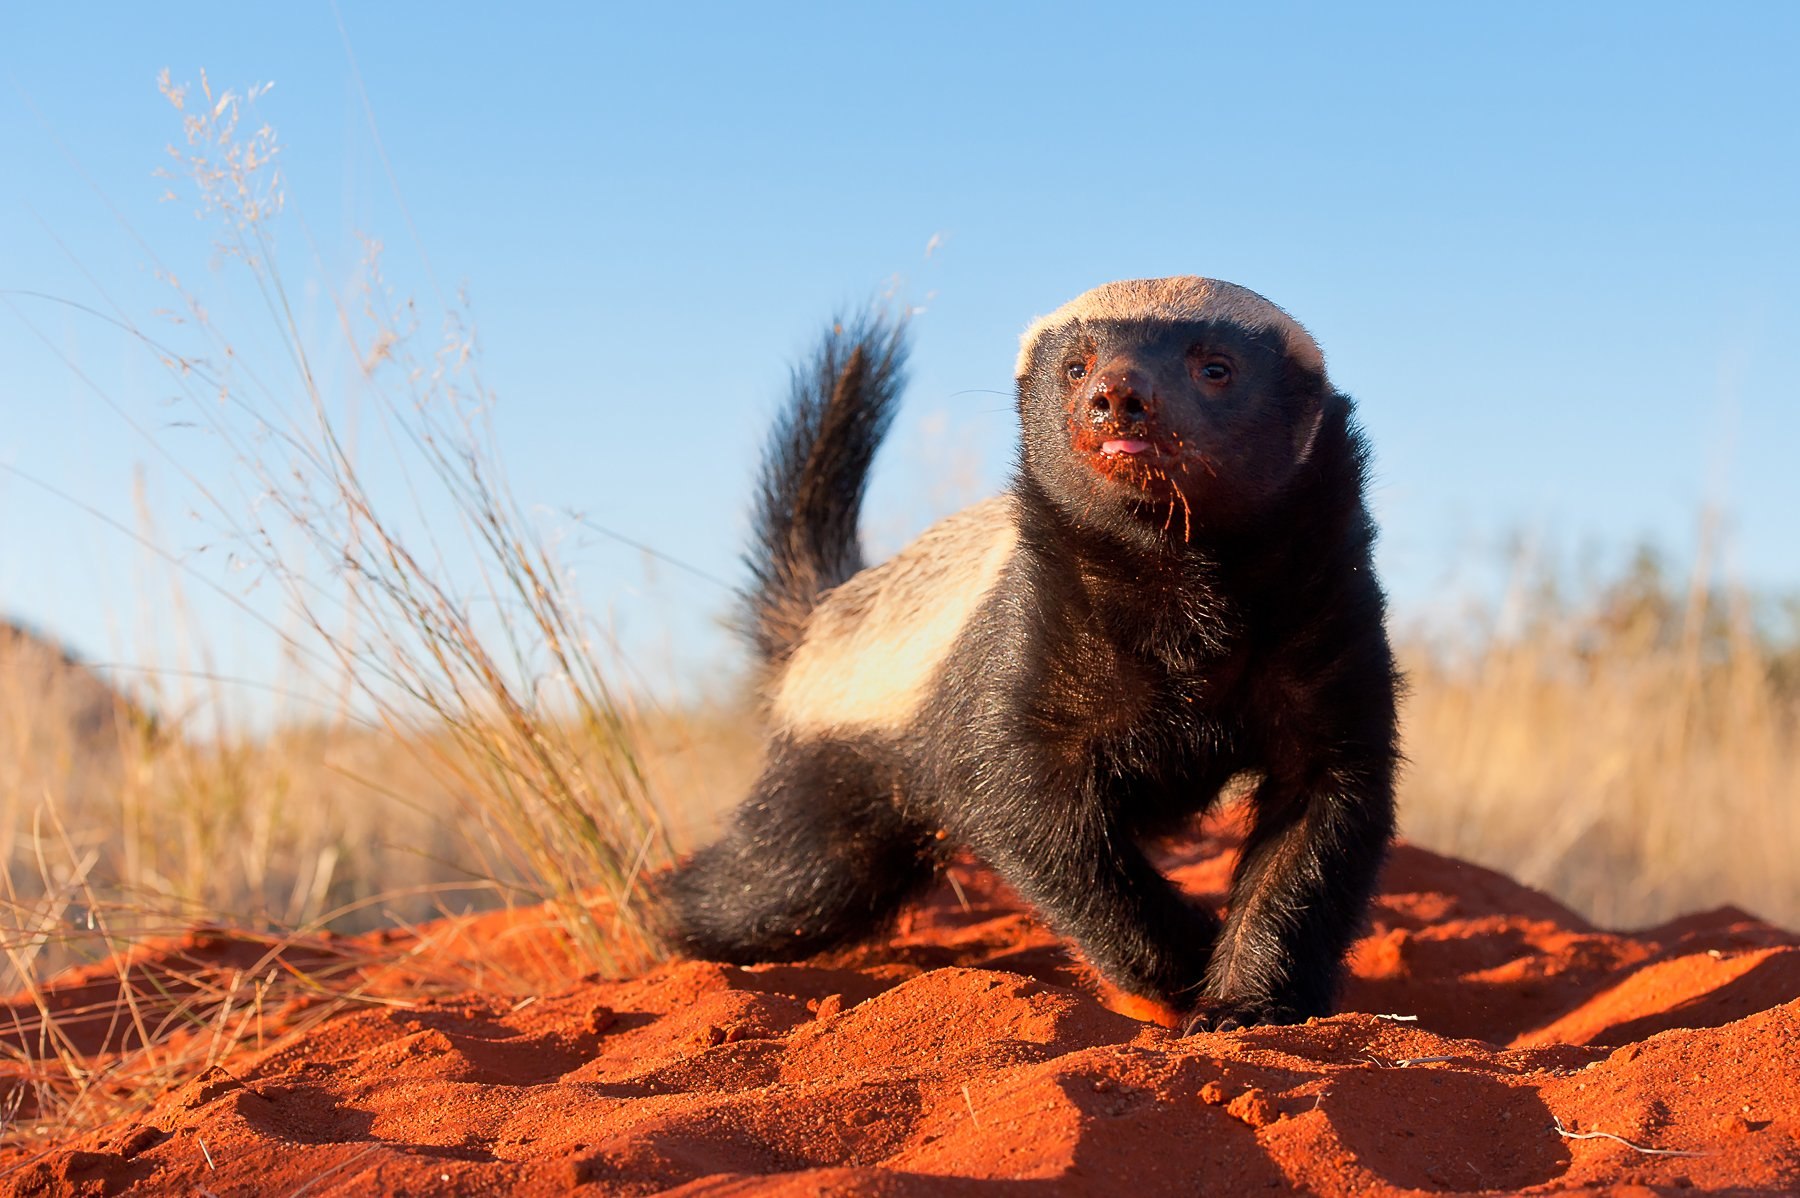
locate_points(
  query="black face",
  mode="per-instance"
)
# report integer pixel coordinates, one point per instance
(1188, 426)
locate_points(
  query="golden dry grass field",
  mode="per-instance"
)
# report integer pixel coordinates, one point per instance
(1635, 751)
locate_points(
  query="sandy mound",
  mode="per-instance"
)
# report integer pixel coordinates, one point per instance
(969, 1056)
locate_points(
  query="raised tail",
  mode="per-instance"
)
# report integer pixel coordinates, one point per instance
(815, 470)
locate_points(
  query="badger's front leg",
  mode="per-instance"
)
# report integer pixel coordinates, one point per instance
(1064, 850)
(1301, 887)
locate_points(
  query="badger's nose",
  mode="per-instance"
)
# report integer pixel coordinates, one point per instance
(1120, 394)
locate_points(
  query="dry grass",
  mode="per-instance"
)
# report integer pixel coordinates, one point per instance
(459, 633)
(234, 857)
(272, 831)
(476, 747)
(1633, 750)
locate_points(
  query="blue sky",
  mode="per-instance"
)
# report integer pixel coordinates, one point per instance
(1552, 253)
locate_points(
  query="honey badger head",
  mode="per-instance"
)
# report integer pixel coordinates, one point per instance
(1183, 405)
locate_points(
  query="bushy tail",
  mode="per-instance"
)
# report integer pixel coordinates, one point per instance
(814, 473)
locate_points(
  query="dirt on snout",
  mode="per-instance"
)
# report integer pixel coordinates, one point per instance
(1493, 1042)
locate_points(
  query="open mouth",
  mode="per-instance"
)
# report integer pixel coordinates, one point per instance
(1132, 462)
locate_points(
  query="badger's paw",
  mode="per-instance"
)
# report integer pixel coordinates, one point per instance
(1230, 1015)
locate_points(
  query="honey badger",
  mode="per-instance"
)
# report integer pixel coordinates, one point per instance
(1175, 589)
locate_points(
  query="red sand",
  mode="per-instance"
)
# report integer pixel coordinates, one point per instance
(968, 1055)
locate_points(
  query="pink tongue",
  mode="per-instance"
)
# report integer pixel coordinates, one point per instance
(1118, 447)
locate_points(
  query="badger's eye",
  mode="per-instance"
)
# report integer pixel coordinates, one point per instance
(1076, 371)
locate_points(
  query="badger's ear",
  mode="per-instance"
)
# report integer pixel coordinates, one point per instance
(1311, 418)
(1306, 428)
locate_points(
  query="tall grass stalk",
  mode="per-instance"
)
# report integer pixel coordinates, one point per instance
(516, 711)
(120, 828)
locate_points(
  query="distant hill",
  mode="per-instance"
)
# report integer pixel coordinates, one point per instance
(57, 715)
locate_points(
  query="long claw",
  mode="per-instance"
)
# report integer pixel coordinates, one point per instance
(1217, 1016)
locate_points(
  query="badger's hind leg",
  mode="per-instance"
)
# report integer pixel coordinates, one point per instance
(820, 854)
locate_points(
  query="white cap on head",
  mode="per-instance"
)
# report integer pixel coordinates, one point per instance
(1182, 297)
